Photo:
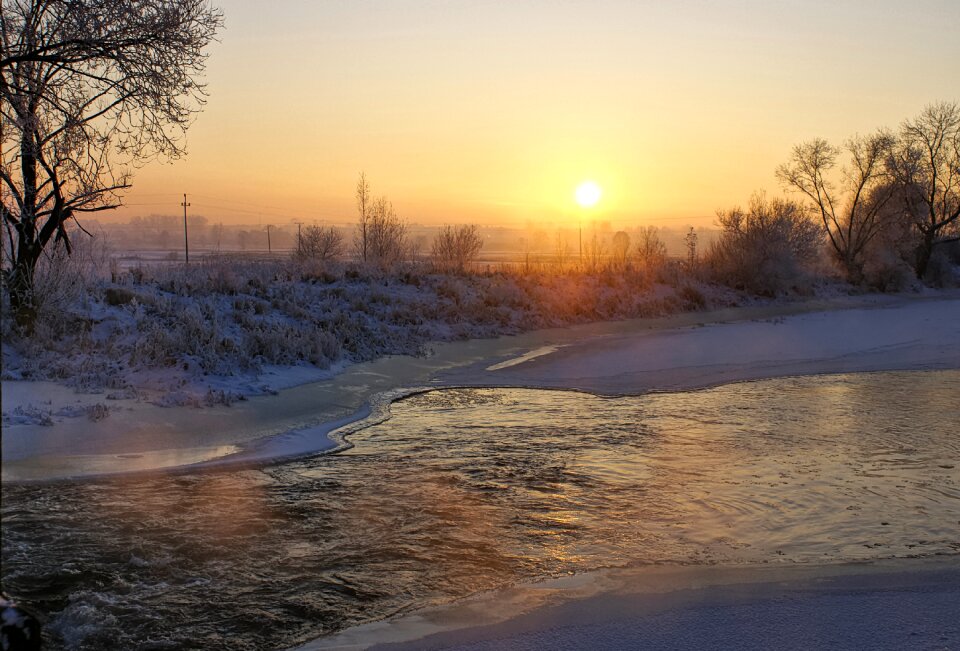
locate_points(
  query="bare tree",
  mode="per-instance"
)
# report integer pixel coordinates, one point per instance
(527, 250)
(690, 239)
(651, 251)
(323, 243)
(88, 90)
(387, 237)
(361, 237)
(926, 166)
(380, 236)
(455, 247)
(595, 250)
(562, 250)
(852, 210)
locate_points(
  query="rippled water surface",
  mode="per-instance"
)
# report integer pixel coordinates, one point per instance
(467, 490)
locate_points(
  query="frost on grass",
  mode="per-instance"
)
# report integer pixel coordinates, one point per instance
(173, 332)
(31, 414)
(27, 415)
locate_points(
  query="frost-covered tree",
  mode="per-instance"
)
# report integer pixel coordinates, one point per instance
(651, 252)
(361, 237)
(388, 241)
(925, 164)
(88, 90)
(766, 248)
(323, 243)
(380, 237)
(562, 250)
(454, 247)
(851, 203)
(690, 239)
(594, 252)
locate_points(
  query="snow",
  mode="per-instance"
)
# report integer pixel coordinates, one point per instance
(45, 403)
(922, 335)
(890, 604)
(526, 357)
(686, 350)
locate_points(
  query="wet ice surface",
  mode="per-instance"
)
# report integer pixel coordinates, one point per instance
(468, 490)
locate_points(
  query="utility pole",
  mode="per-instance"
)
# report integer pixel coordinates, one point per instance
(581, 242)
(299, 246)
(186, 240)
(269, 250)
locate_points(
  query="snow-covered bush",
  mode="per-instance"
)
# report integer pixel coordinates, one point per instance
(61, 278)
(382, 238)
(454, 247)
(650, 252)
(768, 249)
(320, 243)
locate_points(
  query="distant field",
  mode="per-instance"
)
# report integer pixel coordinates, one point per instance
(130, 258)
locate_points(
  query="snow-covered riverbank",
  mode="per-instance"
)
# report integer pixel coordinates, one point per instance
(223, 331)
(682, 351)
(917, 335)
(891, 604)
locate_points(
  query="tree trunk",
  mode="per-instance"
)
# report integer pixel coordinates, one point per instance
(924, 252)
(853, 267)
(21, 290)
(20, 277)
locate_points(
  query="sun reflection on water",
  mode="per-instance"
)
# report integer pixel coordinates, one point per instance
(470, 490)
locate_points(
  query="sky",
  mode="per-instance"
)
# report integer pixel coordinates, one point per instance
(492, 112)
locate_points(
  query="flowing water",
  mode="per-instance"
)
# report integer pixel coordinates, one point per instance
(472, 489)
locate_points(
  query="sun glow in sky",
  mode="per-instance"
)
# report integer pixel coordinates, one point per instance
(588, 194)
(490, 112)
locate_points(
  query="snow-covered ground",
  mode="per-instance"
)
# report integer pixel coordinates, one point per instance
(890, 605)
(687, 350)
(919, 335)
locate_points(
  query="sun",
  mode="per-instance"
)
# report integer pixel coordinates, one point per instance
(588, 194)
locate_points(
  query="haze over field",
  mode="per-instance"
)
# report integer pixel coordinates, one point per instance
(493, 113)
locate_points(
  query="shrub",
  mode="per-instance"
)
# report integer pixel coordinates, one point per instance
(942, 271)
(766, 249)
(455, 247)
(651, 252)
(118, 296)
(323, 243)
(693, 297)
(62, 276)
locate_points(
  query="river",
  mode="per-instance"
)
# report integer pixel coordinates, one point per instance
(466, 490)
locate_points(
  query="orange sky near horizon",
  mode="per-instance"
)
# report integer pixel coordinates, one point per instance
(493, 112)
